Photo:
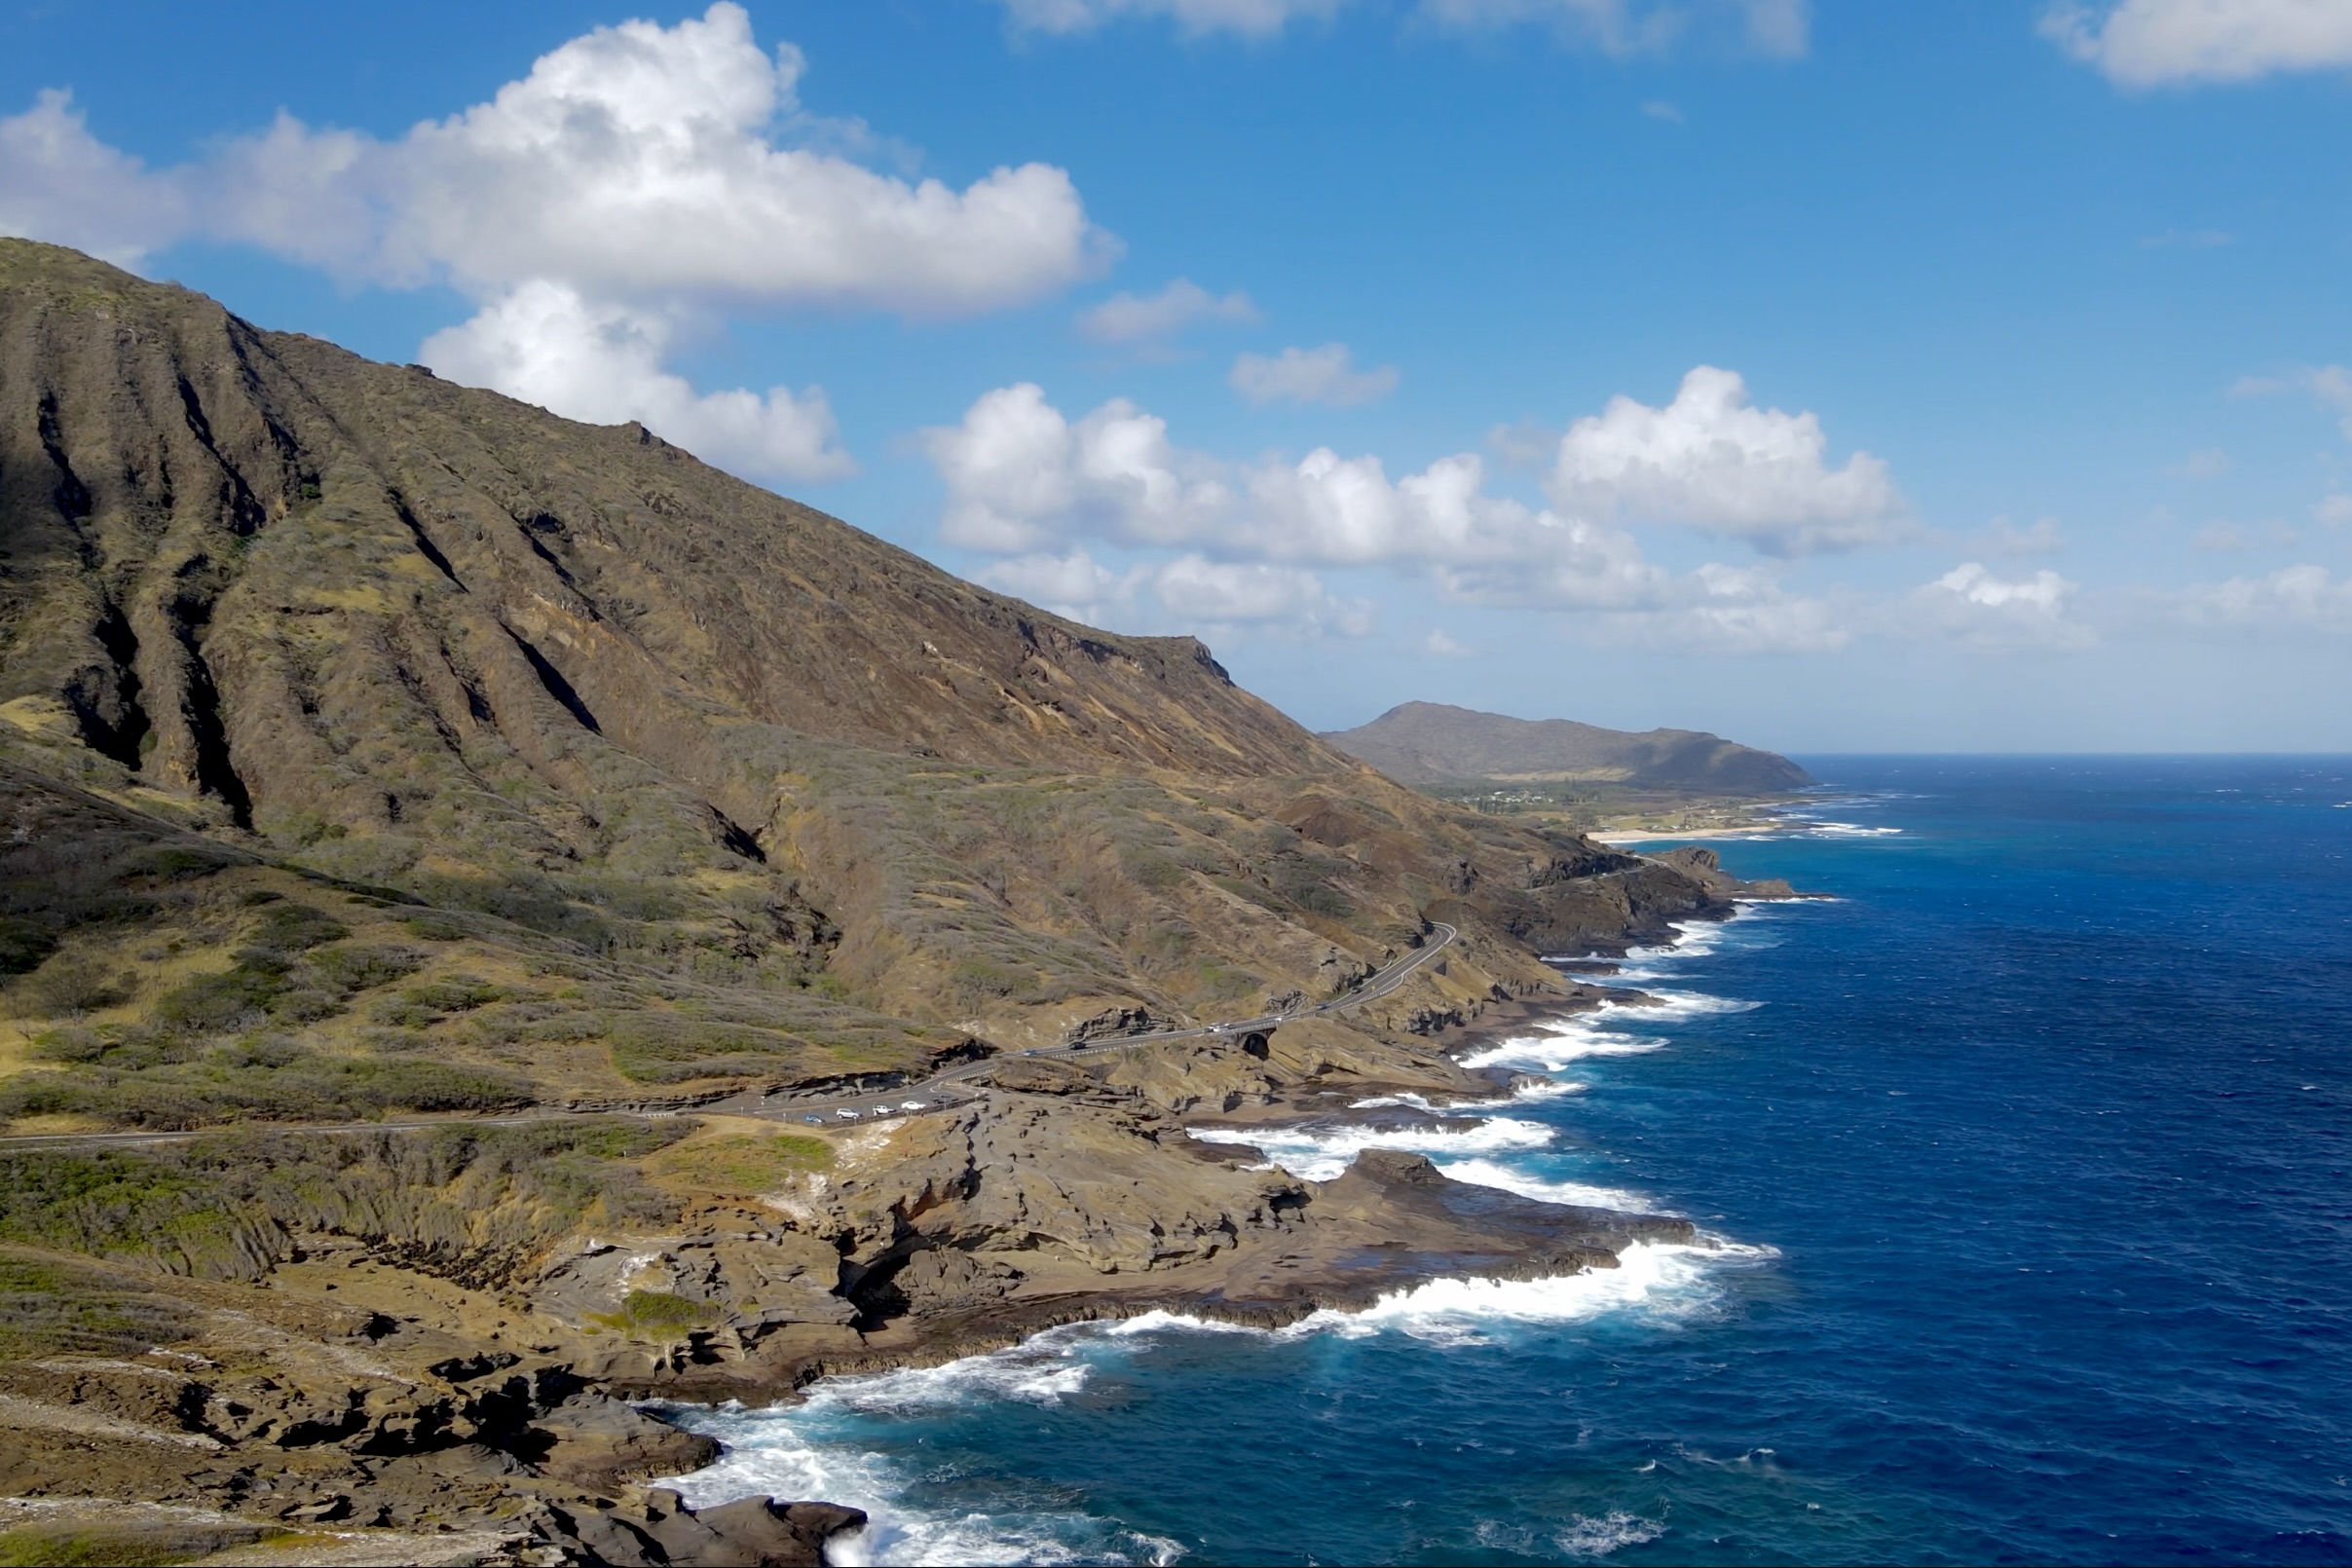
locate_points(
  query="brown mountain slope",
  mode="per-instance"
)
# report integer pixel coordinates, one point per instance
(371, 746)
(1433, 743)
(783, 782)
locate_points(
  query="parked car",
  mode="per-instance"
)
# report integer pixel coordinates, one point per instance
(846, 1115)
(912, 1104)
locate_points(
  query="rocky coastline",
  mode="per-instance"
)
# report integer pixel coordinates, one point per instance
(454, 853)
(371, 1412)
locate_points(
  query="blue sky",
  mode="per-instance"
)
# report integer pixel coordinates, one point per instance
(1834, 376)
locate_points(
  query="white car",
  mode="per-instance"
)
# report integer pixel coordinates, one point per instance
(846, 1115)
(912, 1104)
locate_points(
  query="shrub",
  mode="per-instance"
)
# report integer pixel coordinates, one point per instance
(363, 968)
(231, 1000)
(75, 982)
(653, 1313)
(289, 929)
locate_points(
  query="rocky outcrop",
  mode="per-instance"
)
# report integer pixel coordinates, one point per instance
(663, 1532)
(1704, 867)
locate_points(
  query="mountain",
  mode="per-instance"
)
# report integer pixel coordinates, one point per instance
(1431, 743)
(377, 751)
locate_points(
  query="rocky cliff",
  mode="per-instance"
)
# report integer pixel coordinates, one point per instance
(421, 800)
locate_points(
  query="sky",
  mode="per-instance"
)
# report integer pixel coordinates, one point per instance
(1834, 376)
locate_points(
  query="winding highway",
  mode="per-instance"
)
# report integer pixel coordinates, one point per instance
(939, 1092)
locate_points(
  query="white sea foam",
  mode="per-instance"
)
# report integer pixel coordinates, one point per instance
(1662, 1279)
(1590, 1537)
(1551, 1046)
(1534, 1090)
(1321, 1155)
(797, 1451)
(1494, 1173)
(787, 1453)
(1037, 1371)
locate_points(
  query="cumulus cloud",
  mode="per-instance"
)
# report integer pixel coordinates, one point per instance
(1196, 589)
(1438, 644)
(546, 345)
(1250, 19)
(635, 161)
(1327, 375)
(1712, 461)
(60, 183)
(2153, 43)
(1075, 585)
(1024, 480)
(1775, 28)
(1972, 604)
(1156, 318)
(1020, 475)
(1192, 590)
(637, 174)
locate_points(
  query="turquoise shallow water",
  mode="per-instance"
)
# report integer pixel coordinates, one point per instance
(2029, 1158)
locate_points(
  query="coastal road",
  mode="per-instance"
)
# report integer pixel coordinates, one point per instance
(939, 1092)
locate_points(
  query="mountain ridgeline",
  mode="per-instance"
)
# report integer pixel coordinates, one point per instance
(1429, 743)
(804, 805)
(376, 748)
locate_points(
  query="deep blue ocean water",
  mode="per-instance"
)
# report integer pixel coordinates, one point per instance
(2029, 1153)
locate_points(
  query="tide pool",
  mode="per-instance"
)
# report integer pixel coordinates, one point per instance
(2023, 1167)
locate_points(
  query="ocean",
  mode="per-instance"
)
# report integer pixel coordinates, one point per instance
(2024, 1162)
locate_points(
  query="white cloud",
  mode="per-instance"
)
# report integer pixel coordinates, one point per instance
(637, 175)
(1154, 317)
(1192, 590)
(1721, 610)
(1776, 28)
(60, 183)
(2334, 510)
(2150, 43)
(546, 345)
(2004, 538)
(1250, 18)
(1438, 644)
(1327, 375)
(633, 162)
(1194, 587)
(2295, 596)
(1023, 479)
(1971, 605)
(1660, 109)
(1711, 460)
(1020, 475)
(1074, 586)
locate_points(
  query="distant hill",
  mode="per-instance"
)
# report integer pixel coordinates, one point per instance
(1433, 743)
